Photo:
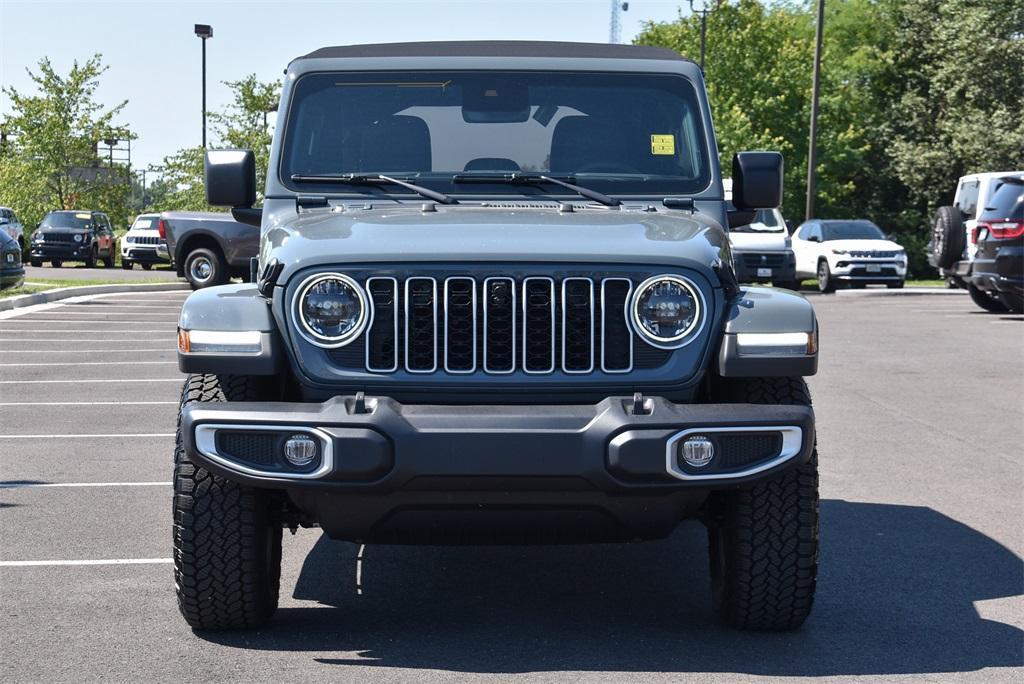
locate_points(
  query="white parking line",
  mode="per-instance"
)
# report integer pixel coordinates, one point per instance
(110, 561)
(85, 330)
(102, 313)
(115, 436)
(120, 380)
(86, 363)
(44, 485)
(86, 403)
(81, 351)
(121, 305)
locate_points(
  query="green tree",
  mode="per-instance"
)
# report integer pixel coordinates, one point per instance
(50, 159)
(243, 124)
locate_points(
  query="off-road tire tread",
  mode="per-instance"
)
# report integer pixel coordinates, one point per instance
(770, 530)
(226, 577)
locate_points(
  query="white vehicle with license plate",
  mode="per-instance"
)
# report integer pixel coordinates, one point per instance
(848, 252)
(141, 244)
(761, 249)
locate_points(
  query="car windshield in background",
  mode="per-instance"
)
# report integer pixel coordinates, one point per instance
(851, 230)
(764, 222)
(1007, 202)
(617, 133)
(67, 220)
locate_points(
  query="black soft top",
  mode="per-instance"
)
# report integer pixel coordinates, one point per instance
(498, 48)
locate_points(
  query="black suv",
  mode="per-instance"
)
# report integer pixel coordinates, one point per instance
(999, 262)
(73, 236)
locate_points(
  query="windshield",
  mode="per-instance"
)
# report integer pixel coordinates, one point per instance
(851, 230)
(61, 219)
(765, 221)
(145, 222)
(617, 133)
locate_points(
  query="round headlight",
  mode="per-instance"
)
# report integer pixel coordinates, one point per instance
(666, 311)
(331, 310)
(78, 237)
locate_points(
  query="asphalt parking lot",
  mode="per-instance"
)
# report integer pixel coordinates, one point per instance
(920, 426)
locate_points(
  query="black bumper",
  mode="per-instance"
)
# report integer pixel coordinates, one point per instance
(398, 468)
(1004, 272)
(12, 276)
(72, 251)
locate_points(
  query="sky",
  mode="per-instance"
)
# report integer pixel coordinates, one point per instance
(154, 57)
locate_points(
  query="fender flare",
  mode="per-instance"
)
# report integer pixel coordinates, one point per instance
(768, 311)
(236, 307)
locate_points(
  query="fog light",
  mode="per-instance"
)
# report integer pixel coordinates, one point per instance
(300, 450)
(697, 451)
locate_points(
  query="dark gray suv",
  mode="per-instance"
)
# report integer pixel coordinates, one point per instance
(495, 304)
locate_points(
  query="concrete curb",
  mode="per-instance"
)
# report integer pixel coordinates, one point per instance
(67, 292)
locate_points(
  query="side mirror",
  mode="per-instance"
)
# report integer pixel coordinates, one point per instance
(814, 238)
(231, 182)
(757, 180)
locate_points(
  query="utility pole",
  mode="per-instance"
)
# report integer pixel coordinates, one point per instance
(615, 33)
(204, 31)
(812, 151)
(704, 11)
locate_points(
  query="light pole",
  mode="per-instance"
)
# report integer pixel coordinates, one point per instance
(812, 152)
(704, 11)
(204, 31)
(150, 169)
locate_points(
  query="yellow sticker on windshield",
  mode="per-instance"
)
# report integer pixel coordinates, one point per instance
(663, 144)
(83, 215)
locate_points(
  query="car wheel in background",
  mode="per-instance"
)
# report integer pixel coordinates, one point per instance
(146, 267)
(825, 282)
(126, 264)
(56, 263)
(36, 263)
(90, 261)
(204, 267)
(898, 285)
(985, 300)
(947, 237)
(1013, 302)
(108, 261)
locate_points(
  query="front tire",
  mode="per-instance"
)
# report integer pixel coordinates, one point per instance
(35, 263)
(126, 265)
(56, 263)
(826, 283)
(898, 285)
(108, 261)
(227, 545)
(763, 540)
(90, 261)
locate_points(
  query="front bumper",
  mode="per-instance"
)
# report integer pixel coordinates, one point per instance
(12, 276)
(143, 255)
(868, 270)
(383, 457)
(764, 267)
(66, 251)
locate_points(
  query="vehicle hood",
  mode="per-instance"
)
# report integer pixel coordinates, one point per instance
(761, 241)
(488, 234)
(863, 245)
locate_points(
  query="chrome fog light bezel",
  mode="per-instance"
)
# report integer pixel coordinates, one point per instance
(311, 335)
(686, 336)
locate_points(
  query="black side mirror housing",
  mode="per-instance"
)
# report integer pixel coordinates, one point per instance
(757, 180)
(231, 182)
(814, 238)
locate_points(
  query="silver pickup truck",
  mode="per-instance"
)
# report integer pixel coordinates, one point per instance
(209, 248)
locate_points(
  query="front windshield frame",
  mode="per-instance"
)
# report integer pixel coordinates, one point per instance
(829, 231)
(615, 183)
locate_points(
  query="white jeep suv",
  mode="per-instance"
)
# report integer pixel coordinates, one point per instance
(854, 252)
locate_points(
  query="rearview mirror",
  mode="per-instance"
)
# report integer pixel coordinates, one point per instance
(231, 182)
(757, 180)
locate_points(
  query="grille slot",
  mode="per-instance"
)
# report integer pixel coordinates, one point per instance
(460, 325)
(421, 325)
(616, 338)
(499, 325)
(538, 325)
(578, 317)
(382, 338)
(144, 240)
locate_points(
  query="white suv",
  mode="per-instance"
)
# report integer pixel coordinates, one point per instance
(854, 252)
(10, 224)
(142, 241)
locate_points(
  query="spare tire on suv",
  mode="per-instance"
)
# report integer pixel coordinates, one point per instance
(947, 237)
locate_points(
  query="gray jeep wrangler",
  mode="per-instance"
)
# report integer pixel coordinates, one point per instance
(494, 303)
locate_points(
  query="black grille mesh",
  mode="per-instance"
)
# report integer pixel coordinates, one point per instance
(381, 341)
(499, 303)
(422, 325)
(743, 449)
(460, 326)
(538, 310)
(618, 340)
(578, 296)
(252, 447)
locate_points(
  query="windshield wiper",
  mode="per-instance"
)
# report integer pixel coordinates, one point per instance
(518, 178)
(370, 179)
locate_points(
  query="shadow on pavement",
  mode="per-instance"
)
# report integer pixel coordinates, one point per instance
(895, 596)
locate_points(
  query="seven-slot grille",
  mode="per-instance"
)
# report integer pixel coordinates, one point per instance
(498, 325)
(143, 239)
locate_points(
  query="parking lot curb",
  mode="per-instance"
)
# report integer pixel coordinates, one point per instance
(66, 292)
